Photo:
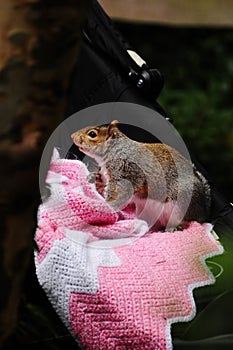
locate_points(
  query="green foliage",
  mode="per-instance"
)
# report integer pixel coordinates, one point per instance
(198, 68)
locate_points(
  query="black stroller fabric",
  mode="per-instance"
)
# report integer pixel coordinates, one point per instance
(105, 72)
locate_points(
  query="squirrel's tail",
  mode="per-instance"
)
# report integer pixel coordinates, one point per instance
(205, 193)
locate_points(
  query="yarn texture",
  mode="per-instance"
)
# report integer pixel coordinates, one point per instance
(115, 284)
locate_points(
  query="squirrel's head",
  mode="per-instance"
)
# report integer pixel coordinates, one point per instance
(96, 139)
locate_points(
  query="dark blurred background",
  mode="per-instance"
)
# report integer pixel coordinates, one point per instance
(197, 64)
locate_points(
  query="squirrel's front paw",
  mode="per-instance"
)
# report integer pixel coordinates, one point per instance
(91, 177)
(94, 177)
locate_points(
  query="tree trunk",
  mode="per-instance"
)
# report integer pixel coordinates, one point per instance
(38, 48)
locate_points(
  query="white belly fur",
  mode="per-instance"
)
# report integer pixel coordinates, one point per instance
(157, 214)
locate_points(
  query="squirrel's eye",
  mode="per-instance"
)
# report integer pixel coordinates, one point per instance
(92, 134)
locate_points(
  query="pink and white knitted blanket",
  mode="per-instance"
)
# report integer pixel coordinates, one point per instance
(114, 283)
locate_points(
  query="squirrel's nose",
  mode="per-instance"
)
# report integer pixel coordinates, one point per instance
(76, 139)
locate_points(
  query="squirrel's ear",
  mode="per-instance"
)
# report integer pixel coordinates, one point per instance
(113, 128)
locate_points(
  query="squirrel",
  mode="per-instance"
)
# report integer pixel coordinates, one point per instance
(164, 186)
